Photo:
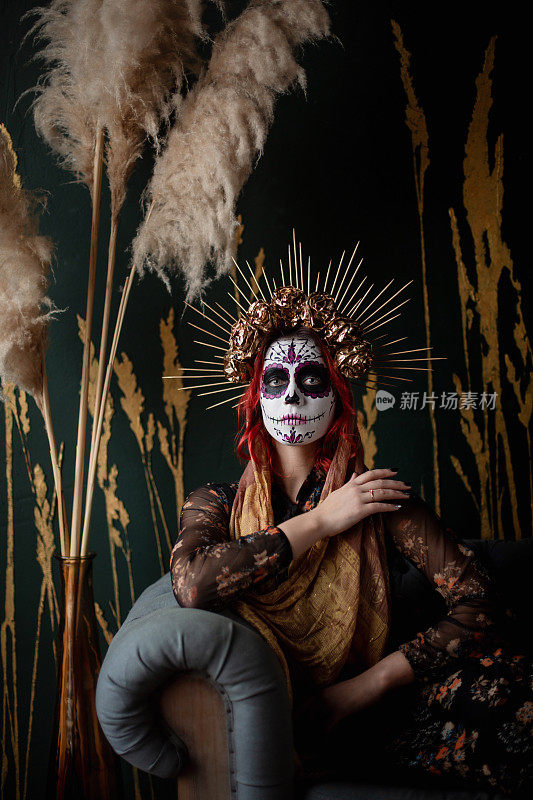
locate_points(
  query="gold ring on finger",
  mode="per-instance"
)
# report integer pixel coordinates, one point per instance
(372, 493)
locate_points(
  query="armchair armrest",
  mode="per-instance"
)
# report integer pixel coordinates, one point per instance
(197, 712)
(158, 641)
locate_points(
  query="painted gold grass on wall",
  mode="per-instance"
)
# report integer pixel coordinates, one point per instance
(415, 120)
(16, 410)
(8, 636)
(492, 271)
(171, 432)
(172, 435)
(482, 314)
(366, 419)
(116, 514)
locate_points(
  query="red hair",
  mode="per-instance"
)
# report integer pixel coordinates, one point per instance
(253, 441)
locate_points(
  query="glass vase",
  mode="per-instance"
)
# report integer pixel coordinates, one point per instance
(82, 764)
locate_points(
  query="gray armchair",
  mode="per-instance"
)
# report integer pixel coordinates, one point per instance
(201, 697)
(169, 667)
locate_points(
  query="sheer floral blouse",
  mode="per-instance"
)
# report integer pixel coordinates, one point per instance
(441, 595)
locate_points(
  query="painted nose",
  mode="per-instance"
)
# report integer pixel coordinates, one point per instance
(292, 399)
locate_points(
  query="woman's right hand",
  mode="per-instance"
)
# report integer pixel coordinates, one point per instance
(353, 501)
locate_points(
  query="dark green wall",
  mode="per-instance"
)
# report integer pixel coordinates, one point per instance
(338, 166)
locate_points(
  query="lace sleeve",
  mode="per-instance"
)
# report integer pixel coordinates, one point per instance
(207, 568)
(457, 574)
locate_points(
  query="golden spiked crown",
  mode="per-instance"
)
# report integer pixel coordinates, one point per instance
(328, 310)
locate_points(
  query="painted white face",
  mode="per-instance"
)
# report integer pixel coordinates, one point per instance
(297, 398)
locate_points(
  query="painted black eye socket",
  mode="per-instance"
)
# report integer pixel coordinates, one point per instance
(275, 378)
(313, 379)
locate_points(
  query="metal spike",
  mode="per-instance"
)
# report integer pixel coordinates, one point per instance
(386, 313)
(356, 306)
(363, 312)
(252, 273)
(388, 344)
(375, 371)
(290, 267)
(247, 282)
(226, 312)
(345, 274)
(392, 377)
(227, 400)
(282, 273)
(375, 388)
(214, 335)
(202, 386)
(327, 276)
(206, 375)
(266, 281)
(396, 360)
(340, 303)
(317, 282)
(234, 298)
(218, 315)
(214, 346)
(389, 299)
(401, 352)
(360, 301)
(301, 266)
(295, 257)
(217, 391)
(201, 369)
(206, 317)
(382, 323)
(337, 274)
(309, 276)
(347, 305)
(388, 365)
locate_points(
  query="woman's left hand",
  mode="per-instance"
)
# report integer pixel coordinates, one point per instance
(326, 708)
(351, 696)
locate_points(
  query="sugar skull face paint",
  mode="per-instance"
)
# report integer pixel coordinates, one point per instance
(297, 398)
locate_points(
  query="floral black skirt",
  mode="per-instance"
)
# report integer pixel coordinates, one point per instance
(472, 730)
(475, 726)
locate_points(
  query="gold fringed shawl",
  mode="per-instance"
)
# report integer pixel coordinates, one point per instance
(335, 602)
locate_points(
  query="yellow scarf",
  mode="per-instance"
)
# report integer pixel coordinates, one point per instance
(335, 603)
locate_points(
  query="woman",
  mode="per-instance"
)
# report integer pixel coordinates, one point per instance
(309, 547)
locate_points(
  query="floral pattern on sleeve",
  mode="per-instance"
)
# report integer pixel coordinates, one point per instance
(207, 568)
(457, 575)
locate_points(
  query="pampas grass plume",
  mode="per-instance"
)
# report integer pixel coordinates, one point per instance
(67, 104)
(116, 64)
(148, 45)
(25, 259)
(223, 126)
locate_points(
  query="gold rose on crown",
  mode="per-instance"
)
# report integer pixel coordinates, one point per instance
(290, 308)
